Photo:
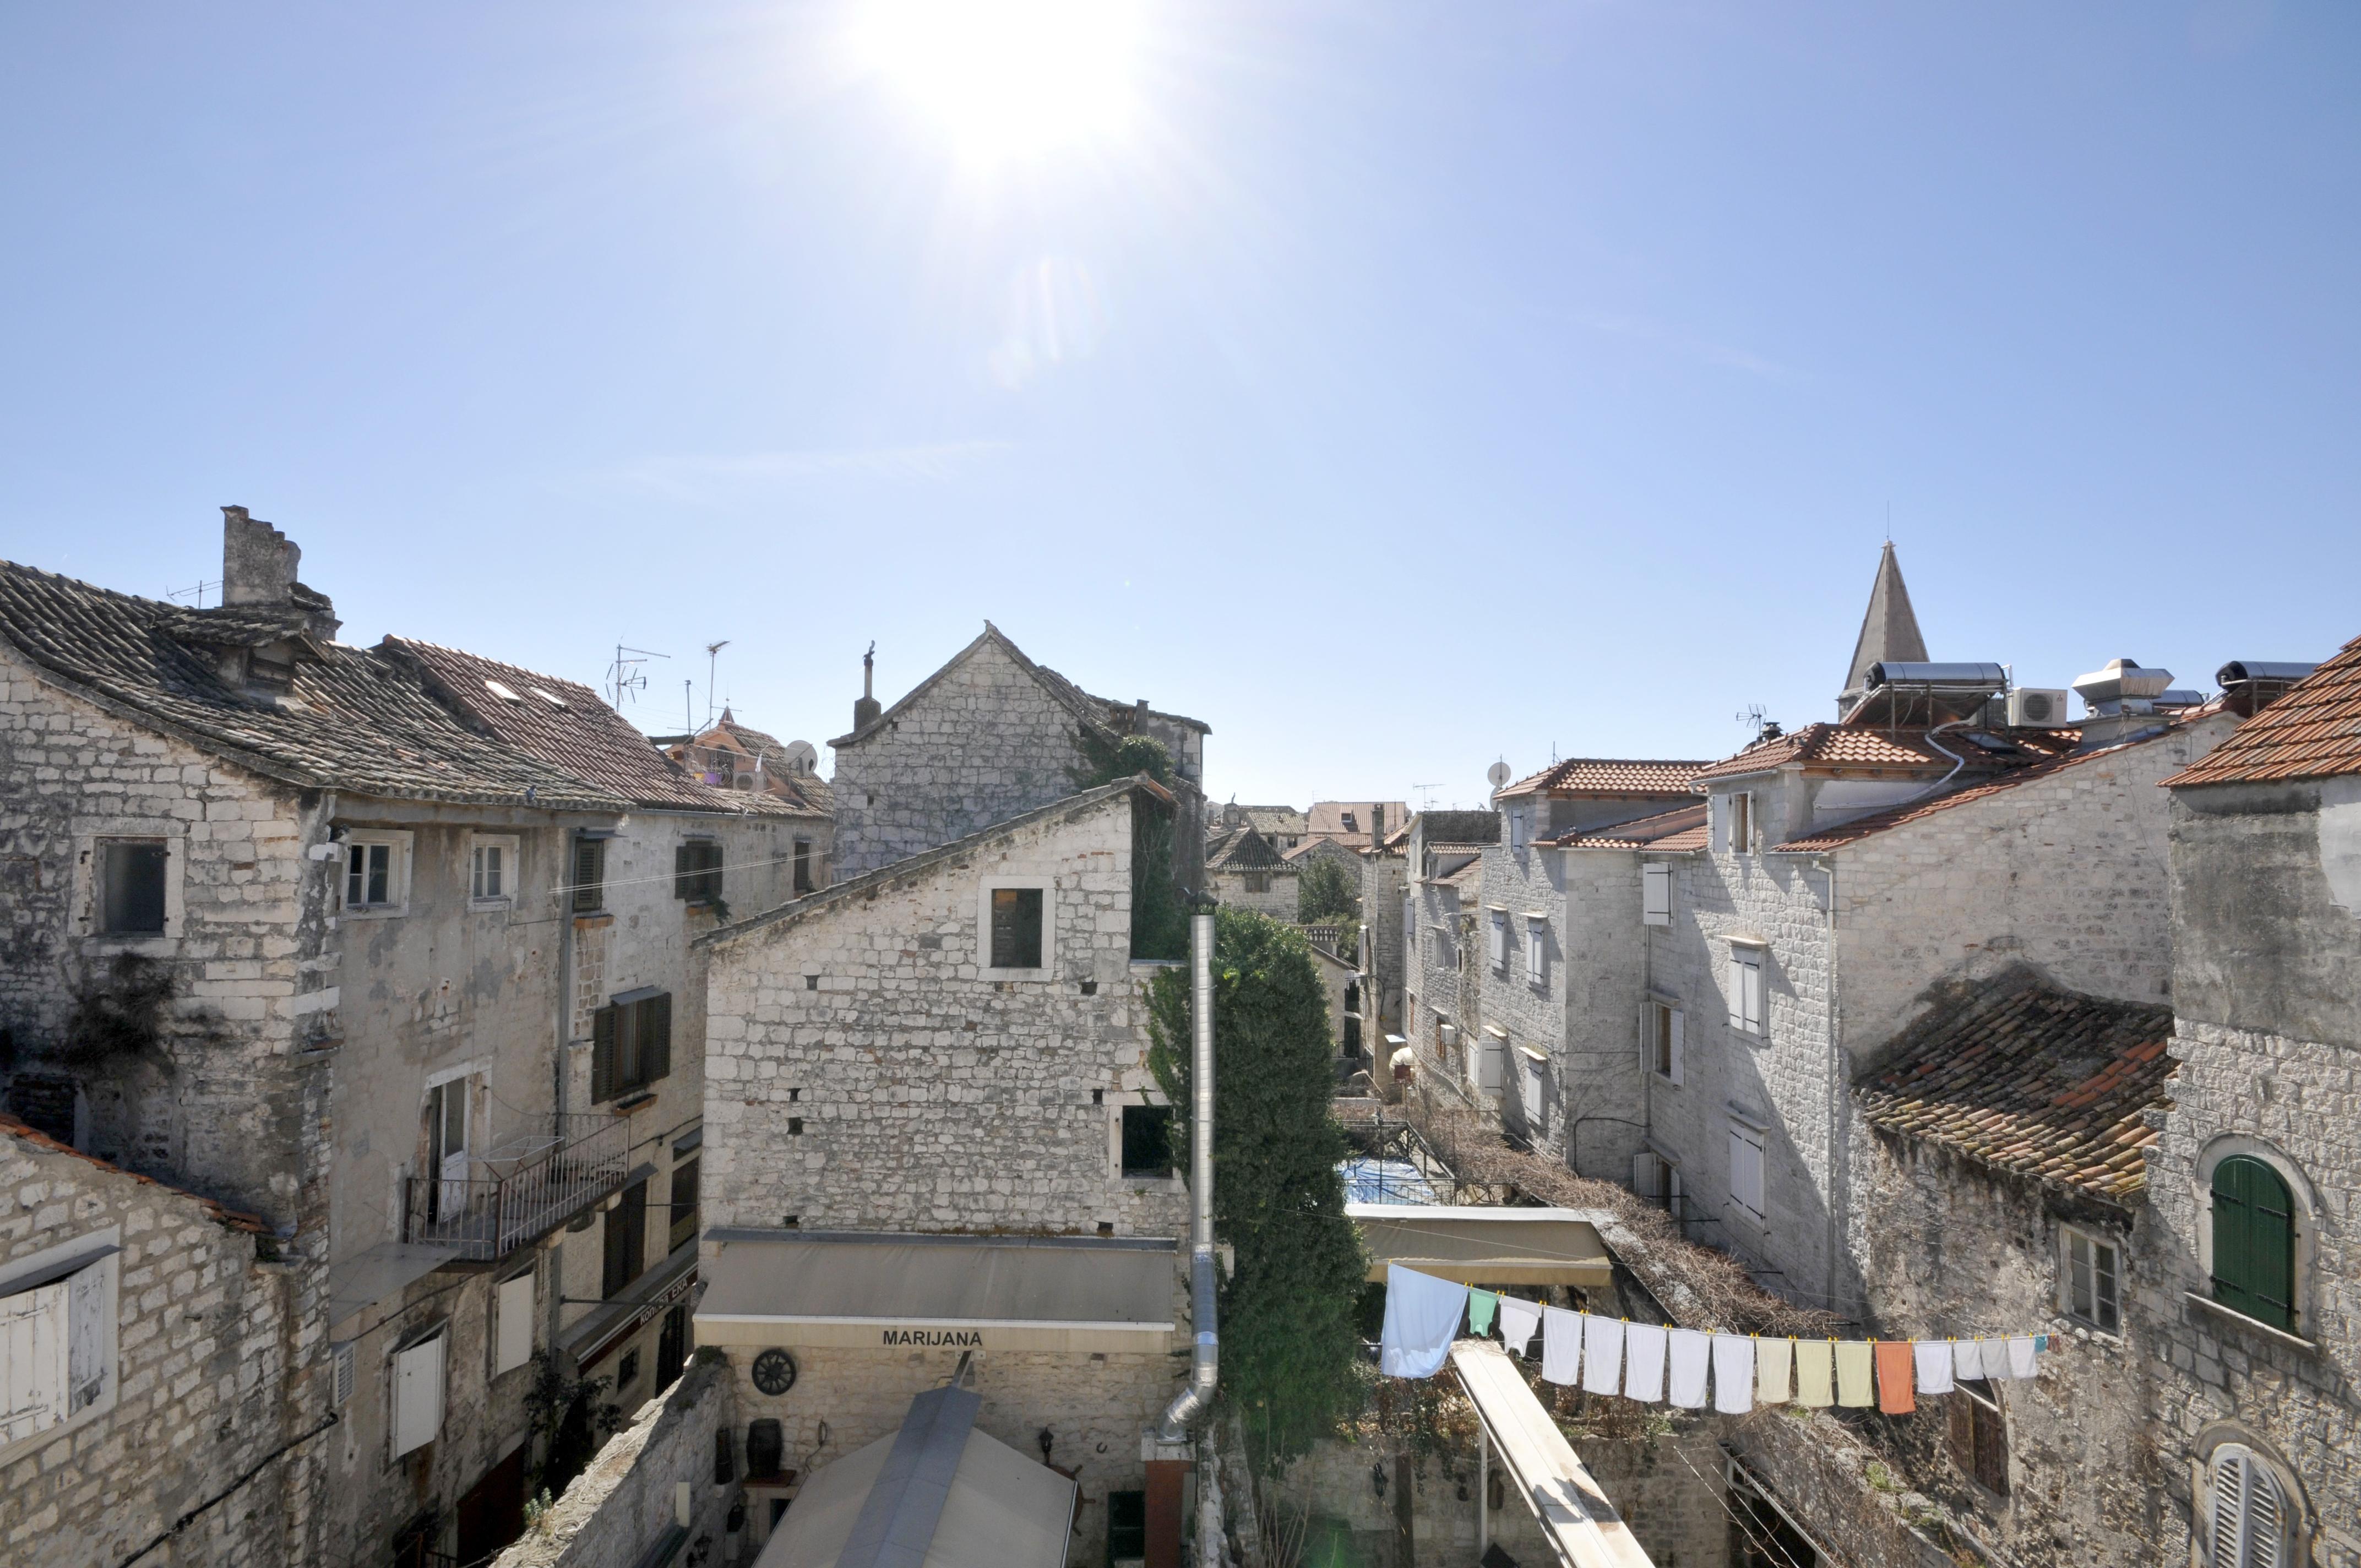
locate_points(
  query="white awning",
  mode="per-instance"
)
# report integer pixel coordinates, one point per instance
(1485, 1246)
(1059, 1293)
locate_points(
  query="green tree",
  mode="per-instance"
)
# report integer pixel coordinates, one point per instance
(1160, 922)
(1290, 1343)
(1324, 893)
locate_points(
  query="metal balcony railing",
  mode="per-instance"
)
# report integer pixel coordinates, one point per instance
(522, 1191)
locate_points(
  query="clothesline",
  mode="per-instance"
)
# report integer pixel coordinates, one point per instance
(1653, 1363)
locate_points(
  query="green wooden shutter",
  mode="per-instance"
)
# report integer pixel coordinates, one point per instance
(602, 1056)
(655, 1050)
(2254, 1240)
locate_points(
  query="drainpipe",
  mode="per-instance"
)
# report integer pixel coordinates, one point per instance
(1839, 1171)
(1204, 1364)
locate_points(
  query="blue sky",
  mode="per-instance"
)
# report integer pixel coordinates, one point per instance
(1403, 386)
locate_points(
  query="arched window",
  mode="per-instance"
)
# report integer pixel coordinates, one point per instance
(2254, 1240)
(2247, 1524)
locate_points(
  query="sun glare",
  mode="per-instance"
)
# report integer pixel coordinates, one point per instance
(1007, 77)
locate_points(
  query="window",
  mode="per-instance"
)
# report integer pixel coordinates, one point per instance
(2247, 1513)
(418, 1392)
(1656, 895)
(492, 870)
(684, 1205)
(2254, 1240)
(589, 875)
(627, 1369)
(377, 872)
(626, 1239)
(1537, 951)
(1258, 882)
(2093, 1281)
(630, 1044)
(1147, 1142)
(696, 870)
(1738, 814)
(803, 884)
(447, 1108)
(1351, 826)
(1661, 1027)
(1016, 927)
(1658, 1179)
(1978, 1435)
(131, 886)
(1497, 941)
(57, 1338)
(1746, 989)
(1746, 1169)
(512, 1315)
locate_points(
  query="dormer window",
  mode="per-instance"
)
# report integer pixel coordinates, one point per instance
(1351, 826)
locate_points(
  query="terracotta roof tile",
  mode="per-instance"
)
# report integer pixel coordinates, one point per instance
(2023, 1077)
(1608, 775)
(2313, 731)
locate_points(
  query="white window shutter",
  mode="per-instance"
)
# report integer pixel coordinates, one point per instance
(32, 1361)
(2229, 1506)
(515, 1314)
(1643, 1174)
(417, 1395)
(1754, 996)
(1656, 895)
(1737, 992)
(1746, 1171)
(1677, 1021)
(86, 1325)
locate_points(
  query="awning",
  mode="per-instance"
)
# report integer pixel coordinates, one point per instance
(938, 1486)
(385, 1269)
(1064, 1293)
(1485, 1246)
(1581, 1526)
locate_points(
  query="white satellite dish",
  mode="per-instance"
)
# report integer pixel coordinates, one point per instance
(1498, 773)
(802, 757)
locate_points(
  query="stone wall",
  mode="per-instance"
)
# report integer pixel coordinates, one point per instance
(1277, 897)
(1382, 916)
(866, 1071)
(217, 1374)
(628, 1500)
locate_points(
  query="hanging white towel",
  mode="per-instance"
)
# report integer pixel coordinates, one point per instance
(1734, 1373)
(1690, 1352)
(1934, 1359)
(1643, 1362)
(2020, 1356)
(1422, 1313)
(1561, 1344)
(1518, 1321)
(1996, 1357)
(1602, 1354)
(1967, 1359)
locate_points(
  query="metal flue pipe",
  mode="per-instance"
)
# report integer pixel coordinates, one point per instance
(1204, 1361)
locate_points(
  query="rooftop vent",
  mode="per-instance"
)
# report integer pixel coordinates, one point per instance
(2249, 686)
(2122, 686)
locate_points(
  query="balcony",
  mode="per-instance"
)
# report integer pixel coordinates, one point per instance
(522, 1191)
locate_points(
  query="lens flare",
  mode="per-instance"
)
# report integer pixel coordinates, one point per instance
(1007, 77)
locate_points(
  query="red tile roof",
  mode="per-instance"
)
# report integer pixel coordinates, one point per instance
(2022, 1077)
(1608, 775)
(1673, 831)
(1867, 746)
(2312, 732)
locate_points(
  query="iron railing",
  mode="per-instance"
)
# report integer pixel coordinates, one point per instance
(522, 1191)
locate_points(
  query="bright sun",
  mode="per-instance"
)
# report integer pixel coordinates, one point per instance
(1007, 77)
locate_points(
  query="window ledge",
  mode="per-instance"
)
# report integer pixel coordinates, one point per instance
(488, 902)
(639, 1101)
(2256, 1325)
(374, 912)
(592, 922)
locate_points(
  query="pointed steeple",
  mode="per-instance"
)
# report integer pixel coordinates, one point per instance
(1889, 632)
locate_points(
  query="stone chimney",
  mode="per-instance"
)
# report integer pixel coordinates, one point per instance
(865, 708)
(1377, 824)
(257, 561)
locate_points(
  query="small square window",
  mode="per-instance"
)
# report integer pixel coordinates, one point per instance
(131, 886)
(1016, 927)
(492, 870)
(1147, 1142)
(2093, 1282)
(696, 870)
(377, 872)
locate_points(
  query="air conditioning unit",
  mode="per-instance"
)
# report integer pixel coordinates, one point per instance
(1449, 1033)
(2037, 707)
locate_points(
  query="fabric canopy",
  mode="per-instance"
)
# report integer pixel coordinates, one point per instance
(771, 1288)
(1485, 1246)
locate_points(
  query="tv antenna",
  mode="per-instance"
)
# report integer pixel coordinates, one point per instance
(1752, 717)
(712, 662)
(1426, 796)
(198, 592)
(623, 679)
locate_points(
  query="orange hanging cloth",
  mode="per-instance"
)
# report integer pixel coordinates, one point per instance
(1894, 1396)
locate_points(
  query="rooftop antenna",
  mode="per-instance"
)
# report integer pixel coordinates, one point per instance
(623, 677)
(198, 591)
(1426, 796)
(688, 706)
(712, 661)
(1752, 717)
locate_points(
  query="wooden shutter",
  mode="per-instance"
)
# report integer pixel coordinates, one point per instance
(2263, 1524)
(514, 1312)
(1746, 1169)
(33, 1361)
(1675, 1020)
(86, 1326)
(589, 875)
(602, 1054)
(1737, 992)
(2229, 1505)
(656, 1039)
(2254, 1240)
(1656, 895)
(417, 1395)
(683, 872)
(1643, 1174)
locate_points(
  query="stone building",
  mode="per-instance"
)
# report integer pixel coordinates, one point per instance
(2254, 1299)
(377, 946)
(987, 737)
(727, 755)
(1355, 824)
(2001, 1182)
(1284, 825)
(934, 1141)
(1243, 870)
(1443, 999)
(1553, 1024)
(1383, 887)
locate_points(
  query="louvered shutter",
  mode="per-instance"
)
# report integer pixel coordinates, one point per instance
(683, 870)
(655, 1044)
(2262, 1516)
(602, 1054)
(32, 1361)
(1656, 895)
(2229, 1506)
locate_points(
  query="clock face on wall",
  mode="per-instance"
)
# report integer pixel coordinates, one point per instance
(775, 1371)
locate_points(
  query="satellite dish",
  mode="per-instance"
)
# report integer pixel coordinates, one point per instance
(802, 757)
(1498, 773)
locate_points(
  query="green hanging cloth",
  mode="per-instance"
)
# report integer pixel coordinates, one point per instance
(1480, 1307)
